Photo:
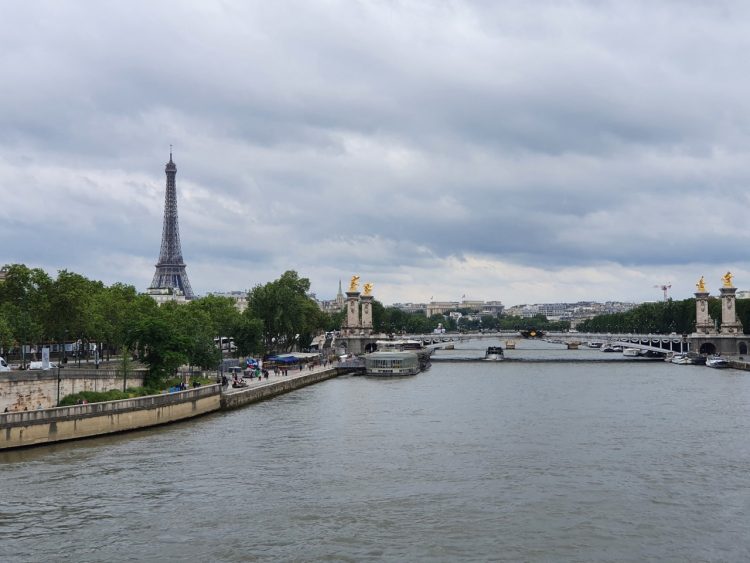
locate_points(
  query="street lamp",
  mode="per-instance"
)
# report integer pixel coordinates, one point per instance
(59, 367)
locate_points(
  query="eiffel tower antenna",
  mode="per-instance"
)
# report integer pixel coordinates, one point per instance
(170, 269)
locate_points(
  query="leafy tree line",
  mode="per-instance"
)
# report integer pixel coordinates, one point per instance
(390, 320)
(663, 317)
(36, 309)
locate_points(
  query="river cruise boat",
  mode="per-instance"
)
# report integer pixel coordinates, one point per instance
(423, 352)
(631, 352)
(717, 362)
(494, 354)
(392, 363)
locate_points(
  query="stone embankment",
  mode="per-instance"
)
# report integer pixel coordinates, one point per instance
(264, 389)
(27, 389)
(43, 426)
(29, 428)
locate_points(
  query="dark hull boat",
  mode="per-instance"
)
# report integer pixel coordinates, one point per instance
(532, 333)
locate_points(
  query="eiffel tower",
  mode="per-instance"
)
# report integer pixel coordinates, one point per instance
(170, 270)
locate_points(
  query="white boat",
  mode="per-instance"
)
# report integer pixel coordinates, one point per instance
(680, 360)
(631, 352)
(494, 353)
(689, 359)
(717, 362)
(608, 348)
(594, 344)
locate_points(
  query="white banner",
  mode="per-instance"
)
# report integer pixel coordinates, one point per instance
(45, 357)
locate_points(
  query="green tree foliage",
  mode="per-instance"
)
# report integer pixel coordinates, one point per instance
(110, 308)
(334, 321)
(509, 322)
(162, 348)
(6, 334)
(662, 318)
(248, 335)
(24, 298)
(288, 315)
(222, 315)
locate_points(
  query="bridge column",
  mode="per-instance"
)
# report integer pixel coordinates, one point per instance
(353, 325)
(367, 313)
(730, 324)
(704, 324)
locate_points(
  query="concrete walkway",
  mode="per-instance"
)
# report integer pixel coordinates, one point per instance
(294, 373)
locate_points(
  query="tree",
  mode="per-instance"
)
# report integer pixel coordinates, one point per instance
(288, 315)
(6, 335)
(24, 296)
(248, 335)
(71, 310)
(110, 308)
(221, 312)
(163, 349)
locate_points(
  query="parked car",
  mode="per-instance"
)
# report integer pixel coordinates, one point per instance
(38, 365)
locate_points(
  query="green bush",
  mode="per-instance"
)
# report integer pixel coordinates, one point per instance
(103, 396)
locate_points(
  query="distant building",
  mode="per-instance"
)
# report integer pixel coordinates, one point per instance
(333, 306)
(440, 307)
(239, 298)
(3, 273)
(471, 305)
(572, 312)
(493, 308)
(166, 294)
(411, 307)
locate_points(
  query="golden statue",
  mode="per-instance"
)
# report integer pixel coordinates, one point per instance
(368, 289)
(701, 285)
(727, 279)
(354, 284)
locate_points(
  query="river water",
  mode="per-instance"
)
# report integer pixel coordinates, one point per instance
(515, 461)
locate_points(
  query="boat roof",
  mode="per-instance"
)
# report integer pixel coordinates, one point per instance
(385, 354)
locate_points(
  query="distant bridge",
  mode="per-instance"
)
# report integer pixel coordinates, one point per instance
(654, 342)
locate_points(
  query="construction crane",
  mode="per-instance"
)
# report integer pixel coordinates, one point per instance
(665, 288)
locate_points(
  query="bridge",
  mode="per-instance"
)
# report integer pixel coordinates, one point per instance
(359, 344)
(662, 343)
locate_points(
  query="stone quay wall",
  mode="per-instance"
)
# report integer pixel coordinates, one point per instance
(33, 427)
(243, 397)
(21, 390)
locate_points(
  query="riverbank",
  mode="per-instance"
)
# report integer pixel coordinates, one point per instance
(46, 426)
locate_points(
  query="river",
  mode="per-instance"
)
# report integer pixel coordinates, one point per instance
(507, 461)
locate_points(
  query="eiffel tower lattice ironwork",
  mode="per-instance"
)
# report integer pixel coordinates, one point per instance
(170, 270)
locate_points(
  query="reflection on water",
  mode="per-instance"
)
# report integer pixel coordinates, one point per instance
(473, 461)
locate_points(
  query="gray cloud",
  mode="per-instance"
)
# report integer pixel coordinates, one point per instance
(394, 139)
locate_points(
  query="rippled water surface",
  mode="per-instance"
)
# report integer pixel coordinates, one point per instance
(474, 461)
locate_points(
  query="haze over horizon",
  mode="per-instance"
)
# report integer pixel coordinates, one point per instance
(523, 152)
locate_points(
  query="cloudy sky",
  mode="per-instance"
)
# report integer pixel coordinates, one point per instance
(512, 150)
